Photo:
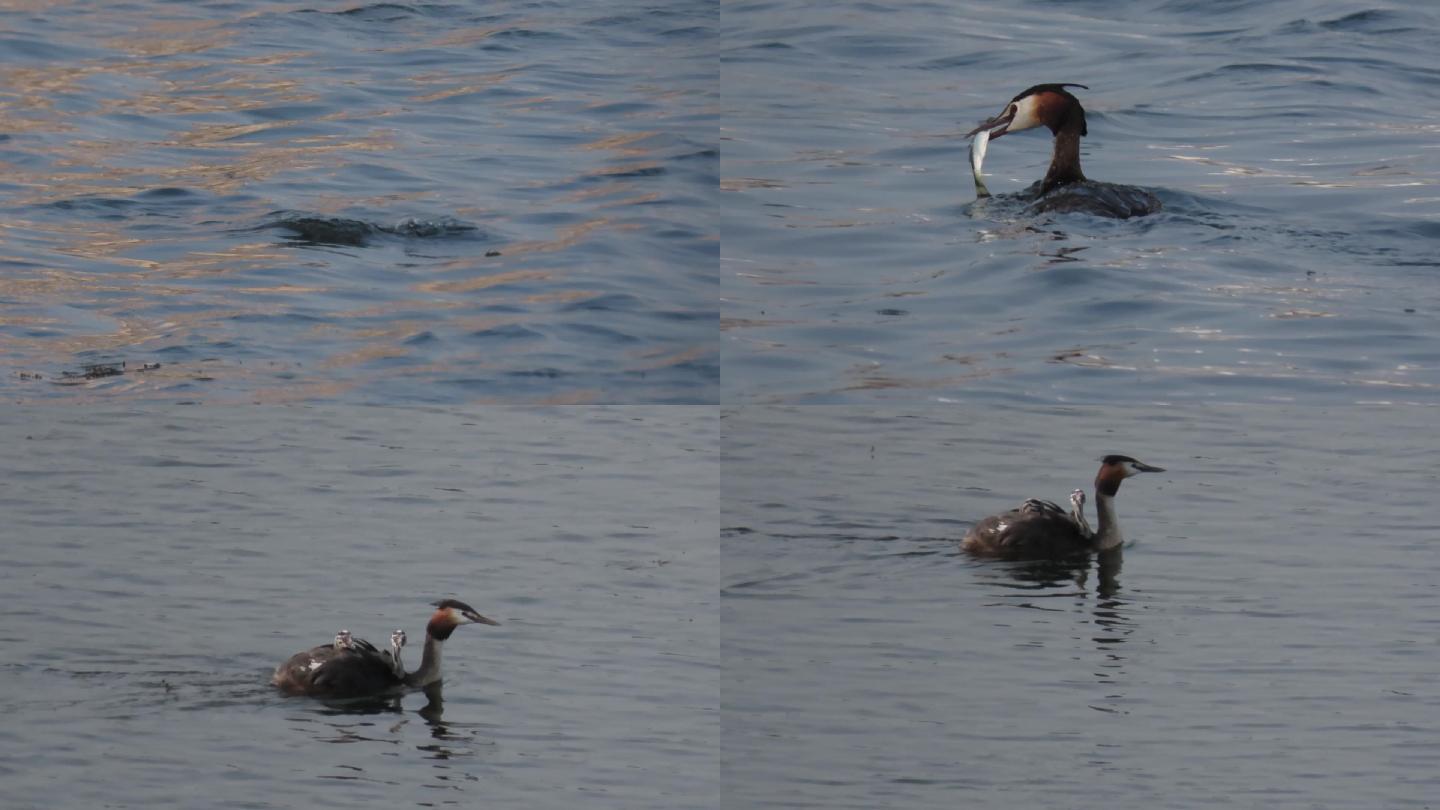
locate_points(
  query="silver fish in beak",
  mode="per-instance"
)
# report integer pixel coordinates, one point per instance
(1020, 114)
(1000, 121)
(977, 158)
(981, 136)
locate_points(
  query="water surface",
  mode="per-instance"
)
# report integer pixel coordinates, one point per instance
(1268, 636)
(362, 202)
(158, 564)
(1292, 144)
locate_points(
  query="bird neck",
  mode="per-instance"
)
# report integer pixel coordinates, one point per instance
(1065, 162)
(1108, 534)
(429, 671)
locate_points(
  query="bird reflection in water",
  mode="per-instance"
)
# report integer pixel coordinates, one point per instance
(1047, 573)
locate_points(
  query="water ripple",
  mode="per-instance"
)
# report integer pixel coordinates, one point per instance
(275, 201)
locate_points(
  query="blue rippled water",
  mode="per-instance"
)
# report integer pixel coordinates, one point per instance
(371, 202)
(1292, 144)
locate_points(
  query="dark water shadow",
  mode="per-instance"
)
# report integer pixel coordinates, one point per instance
(314, 229)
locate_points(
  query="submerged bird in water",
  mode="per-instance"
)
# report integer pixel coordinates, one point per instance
(352, 667)
(1042, 529)
(1064, 187)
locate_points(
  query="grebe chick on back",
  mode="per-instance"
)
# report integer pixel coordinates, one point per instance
(1064, 187)
(397, 643)
(1042, 529)
(352, 667)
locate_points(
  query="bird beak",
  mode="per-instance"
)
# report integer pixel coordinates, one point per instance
(1147, 468)
(478, 619)
(1002, 120)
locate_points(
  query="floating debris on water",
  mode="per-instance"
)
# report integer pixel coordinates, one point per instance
(92, 371)
(95, 371)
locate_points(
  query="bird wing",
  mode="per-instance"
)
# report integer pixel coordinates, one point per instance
(355, 673)
(1036, 526)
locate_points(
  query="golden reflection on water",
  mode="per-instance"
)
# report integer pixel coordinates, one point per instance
(658, 358)
(28, 103)
(363, 355)
(161, 38)
(484, 282)
(229, 260)
(467, 36)
(568, 237)
(469, 86)
(561, 296)
(166, 285)
(626, 144)
(294, 391)
(626, 202)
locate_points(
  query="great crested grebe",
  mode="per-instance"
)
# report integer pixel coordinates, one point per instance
(1064, 187)
(1041, 528)
(352, 667)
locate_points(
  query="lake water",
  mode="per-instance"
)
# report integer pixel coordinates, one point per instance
(381, 203)
(158, 565)
(1292, 143)
(1267, 638)
(355, 306)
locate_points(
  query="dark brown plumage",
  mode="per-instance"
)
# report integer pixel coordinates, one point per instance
(360, 670)
(1065, 187)
(1042, 529)
(326, 671)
